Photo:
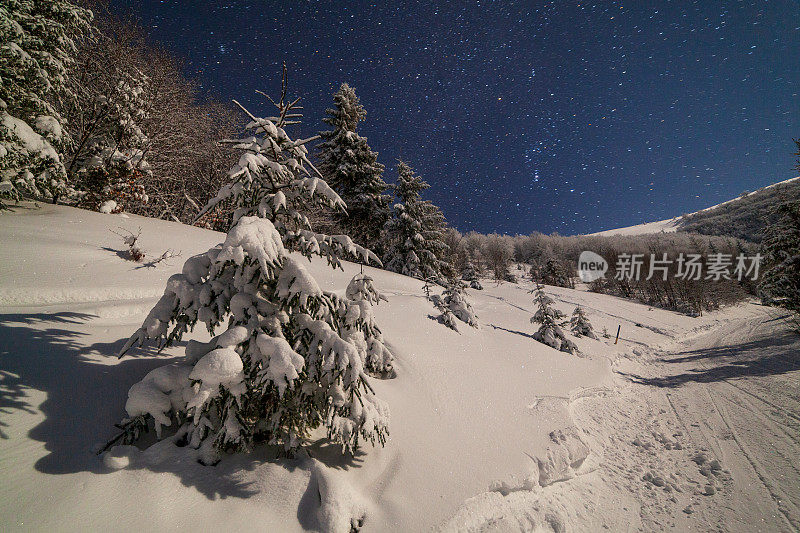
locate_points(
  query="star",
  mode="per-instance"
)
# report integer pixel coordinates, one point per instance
(625, 94)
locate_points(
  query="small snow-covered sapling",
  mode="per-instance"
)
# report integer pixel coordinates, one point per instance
(579, 324)
(551, 320)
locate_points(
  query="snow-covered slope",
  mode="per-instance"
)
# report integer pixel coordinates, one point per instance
(672, 224)
(662, 226)
(484, 422)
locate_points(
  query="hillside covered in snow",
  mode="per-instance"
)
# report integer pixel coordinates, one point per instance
(745, 217)
(686, 423)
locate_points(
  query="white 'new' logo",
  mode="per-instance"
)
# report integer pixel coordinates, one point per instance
(591, 266)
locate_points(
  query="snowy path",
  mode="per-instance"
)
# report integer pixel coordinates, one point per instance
(736, 390)
(703, 434)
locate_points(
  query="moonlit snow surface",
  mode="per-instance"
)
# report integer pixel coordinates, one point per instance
(687, 423)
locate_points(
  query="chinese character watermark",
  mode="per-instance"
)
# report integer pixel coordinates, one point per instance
(688, 267)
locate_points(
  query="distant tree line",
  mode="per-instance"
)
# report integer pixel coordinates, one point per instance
(553, 260)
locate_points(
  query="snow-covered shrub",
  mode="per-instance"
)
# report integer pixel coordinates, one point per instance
(118, 182)
(108, 207)
(556, 273)
(37, 45)
(283, 365)
(470, 275)
(134, 253)
(498, 250)
(453, 305)
(428, 284)
(446, 316)
(579, 324)
(551, 320)
(109, 161)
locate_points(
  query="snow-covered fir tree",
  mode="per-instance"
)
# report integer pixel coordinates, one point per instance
(551, 320)
(282, 365)
(445, 315)
(351, 168)
(37, 46)
(780, 281)
(470, 275)
(555, 273)
(360, 327)
(434, 226)
(579, 324)
(455, 299)
(414, 231)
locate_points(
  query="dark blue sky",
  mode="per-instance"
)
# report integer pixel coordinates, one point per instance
(550, 116)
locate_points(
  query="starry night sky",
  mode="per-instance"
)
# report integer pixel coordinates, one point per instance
(550, 116)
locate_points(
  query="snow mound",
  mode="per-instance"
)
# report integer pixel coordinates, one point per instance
(341, 509)
(107, 207)
(120, 457)
(491, 511)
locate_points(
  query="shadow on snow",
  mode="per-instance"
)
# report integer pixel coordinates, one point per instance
(767, 356)
(86, 396)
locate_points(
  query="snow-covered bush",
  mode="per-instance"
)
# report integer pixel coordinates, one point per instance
(428, 283)
(116, 182)
(283, 365)
(551, 320)
(470, 274)
(37, 45)
(579, 324)
(109, 162)
(142, 131)
(134, 253)
(446, 316)
(498, 250)
(555, 273)
(453, 305)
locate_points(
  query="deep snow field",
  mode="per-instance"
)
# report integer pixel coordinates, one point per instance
(686, 424)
